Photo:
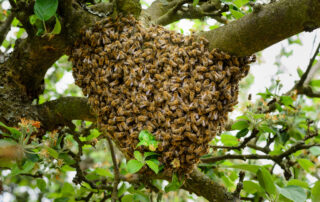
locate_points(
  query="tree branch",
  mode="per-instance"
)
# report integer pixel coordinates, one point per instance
(116, 181)
(5, 27)
(271, 24)
(63, 110)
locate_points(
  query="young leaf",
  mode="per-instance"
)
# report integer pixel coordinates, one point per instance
(144, 135)
(144, 143)
(265, 180)
(153, 165)
(138, 156)
(57, 30)
(45, 9)
(236, 14)
(153, 145)
(134, 166)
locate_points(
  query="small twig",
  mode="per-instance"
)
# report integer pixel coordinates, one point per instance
(38, 175)
(306, 73)
(236, 193)
(114, 197)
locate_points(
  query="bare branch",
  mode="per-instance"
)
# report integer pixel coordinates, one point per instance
(302, 82)
(116, 181)
(260, 29)
(5, 27)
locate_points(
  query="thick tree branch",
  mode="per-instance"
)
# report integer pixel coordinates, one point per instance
(271, 24)
(62, 111)
(202, 185)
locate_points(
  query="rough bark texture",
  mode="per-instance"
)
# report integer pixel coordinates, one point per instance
(21, 76)
(265, 26)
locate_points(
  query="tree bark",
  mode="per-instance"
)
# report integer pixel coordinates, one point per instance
(21, 76)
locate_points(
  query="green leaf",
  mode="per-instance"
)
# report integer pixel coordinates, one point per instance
(265, 180)
(315, 151)
(45, 9)
(315, 83)
(242, 133)
(154, 165)
(144, 143)
(294, 193)
(286, 100)
(67, 159)
(27, 166)
(315, 192)
(306, 164)
(247, 167)
(57, 28)
(41, 184)
(138, 156)
(236, 14)
(240, 125)
(266, 129)
(300, 72)
(229, 140)
(134, 166)
(153, 145)
(127, 198)
(52, 152)
(240, 3)
(298, 183)
(149, 154)
(145, 135)
(14, 132)
(252, 187)
(195, 2)
(33, 19)
(67, 189)
(175, 184)
(103, 172)
(67, 168)
(94, 133)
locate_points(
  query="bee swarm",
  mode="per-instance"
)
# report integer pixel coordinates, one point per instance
(139, 78)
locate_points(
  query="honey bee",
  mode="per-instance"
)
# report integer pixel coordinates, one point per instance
(192, 137)
(142, 118)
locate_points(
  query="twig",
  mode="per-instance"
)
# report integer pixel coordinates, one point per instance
(5, 27)
(306, 73)
(114, 197)
(236, 193)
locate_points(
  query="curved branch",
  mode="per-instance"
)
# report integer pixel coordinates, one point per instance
(5, 27)
(202, 185)
(265, 27)
(62, 111)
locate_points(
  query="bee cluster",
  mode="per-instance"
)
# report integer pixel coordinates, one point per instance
(139, 78)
